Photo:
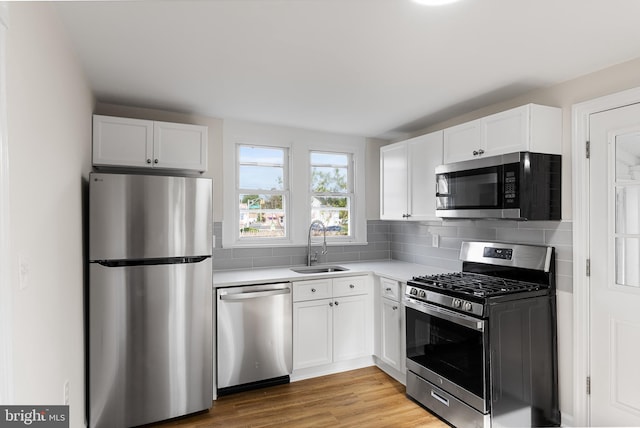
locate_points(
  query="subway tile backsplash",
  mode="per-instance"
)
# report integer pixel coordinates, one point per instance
(412, 242)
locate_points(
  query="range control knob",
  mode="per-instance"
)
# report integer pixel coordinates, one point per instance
(456, 303)
(413, 292)
(423, 293)
(467, 306)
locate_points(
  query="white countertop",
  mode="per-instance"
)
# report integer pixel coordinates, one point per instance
(393, 269)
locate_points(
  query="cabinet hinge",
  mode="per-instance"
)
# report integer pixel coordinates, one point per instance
(588, 149)
(588, 267)
(588, 385)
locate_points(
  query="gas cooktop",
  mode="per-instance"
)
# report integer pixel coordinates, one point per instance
(473, 284)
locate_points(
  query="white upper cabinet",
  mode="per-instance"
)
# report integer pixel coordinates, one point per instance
(531, 127)
(124, 142)
(407, 178)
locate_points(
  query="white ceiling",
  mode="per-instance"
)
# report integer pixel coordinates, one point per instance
(373, 68)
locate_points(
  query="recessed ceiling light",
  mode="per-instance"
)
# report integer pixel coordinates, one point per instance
(434, 2)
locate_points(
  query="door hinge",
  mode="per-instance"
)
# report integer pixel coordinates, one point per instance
(588, 385)
(588, 149)
(588, 267)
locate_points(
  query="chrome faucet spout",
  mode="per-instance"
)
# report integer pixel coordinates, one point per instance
(313, 259)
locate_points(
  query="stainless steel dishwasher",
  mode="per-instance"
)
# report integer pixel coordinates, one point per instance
(255, 332)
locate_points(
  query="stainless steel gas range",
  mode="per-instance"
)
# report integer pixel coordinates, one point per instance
(482, 343)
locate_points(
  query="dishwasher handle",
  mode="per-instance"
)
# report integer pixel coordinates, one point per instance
(255, 294)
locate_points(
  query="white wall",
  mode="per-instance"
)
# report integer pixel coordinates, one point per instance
(49, 108)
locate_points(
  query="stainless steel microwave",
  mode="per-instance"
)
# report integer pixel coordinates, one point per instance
(517, 186)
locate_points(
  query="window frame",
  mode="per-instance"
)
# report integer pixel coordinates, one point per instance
(285, 193)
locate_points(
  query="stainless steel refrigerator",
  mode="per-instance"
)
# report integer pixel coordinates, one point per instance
(149, 298)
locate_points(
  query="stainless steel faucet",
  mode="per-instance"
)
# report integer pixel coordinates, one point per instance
(312, 259)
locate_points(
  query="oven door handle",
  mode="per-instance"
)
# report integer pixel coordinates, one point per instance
(454, 317)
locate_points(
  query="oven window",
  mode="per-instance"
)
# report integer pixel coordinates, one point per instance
(452, 351)
(470, 189)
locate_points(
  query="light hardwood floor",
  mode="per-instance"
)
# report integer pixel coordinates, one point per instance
(359, 398)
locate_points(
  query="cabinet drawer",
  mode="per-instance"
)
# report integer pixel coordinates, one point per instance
(349, 286)
(390, 289)
(311, 290)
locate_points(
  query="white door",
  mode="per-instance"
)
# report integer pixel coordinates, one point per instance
(614, 236)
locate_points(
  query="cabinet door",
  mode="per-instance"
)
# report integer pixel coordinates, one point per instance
(506, 132)
(121, 141)
(462, 141)
(424, 155)
(180, 146)
(312, 333)
(391, 340)
(351, 328)
(393, 181)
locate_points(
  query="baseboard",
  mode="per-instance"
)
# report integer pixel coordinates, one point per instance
(327, 369)
(391, 371)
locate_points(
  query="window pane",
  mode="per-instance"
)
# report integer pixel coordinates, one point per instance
(333, 212)
(627, 209)
(329, 159)
(262, 216)
(628, 261)
(261, 177)
(261, 155)
(329, 180)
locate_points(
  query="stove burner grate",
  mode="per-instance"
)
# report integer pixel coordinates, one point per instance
(475, 284)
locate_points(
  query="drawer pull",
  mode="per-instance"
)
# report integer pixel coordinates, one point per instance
(439, 398)
(394, 308)
(352, 286)
(313, 290)
(389, 289)
(330, 303)
(337, 303)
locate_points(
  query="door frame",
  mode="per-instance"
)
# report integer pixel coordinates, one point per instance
(580, 122)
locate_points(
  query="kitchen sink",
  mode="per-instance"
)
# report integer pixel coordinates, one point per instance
(319, 269)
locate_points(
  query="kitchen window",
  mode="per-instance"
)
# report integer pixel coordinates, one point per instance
(277, 180)
(262, 192)
(331, 191)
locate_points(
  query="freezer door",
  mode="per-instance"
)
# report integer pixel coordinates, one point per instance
(150, 342)
(147, 216)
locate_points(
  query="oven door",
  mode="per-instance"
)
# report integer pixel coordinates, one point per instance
(449, 350)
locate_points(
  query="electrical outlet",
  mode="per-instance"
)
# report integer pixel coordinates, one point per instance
(66, 392)
(435, 240)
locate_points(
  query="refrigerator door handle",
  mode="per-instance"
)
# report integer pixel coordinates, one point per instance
(254, 294)
(150, 262)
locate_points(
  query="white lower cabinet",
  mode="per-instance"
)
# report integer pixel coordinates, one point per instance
(331, 321)
(391, 341)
